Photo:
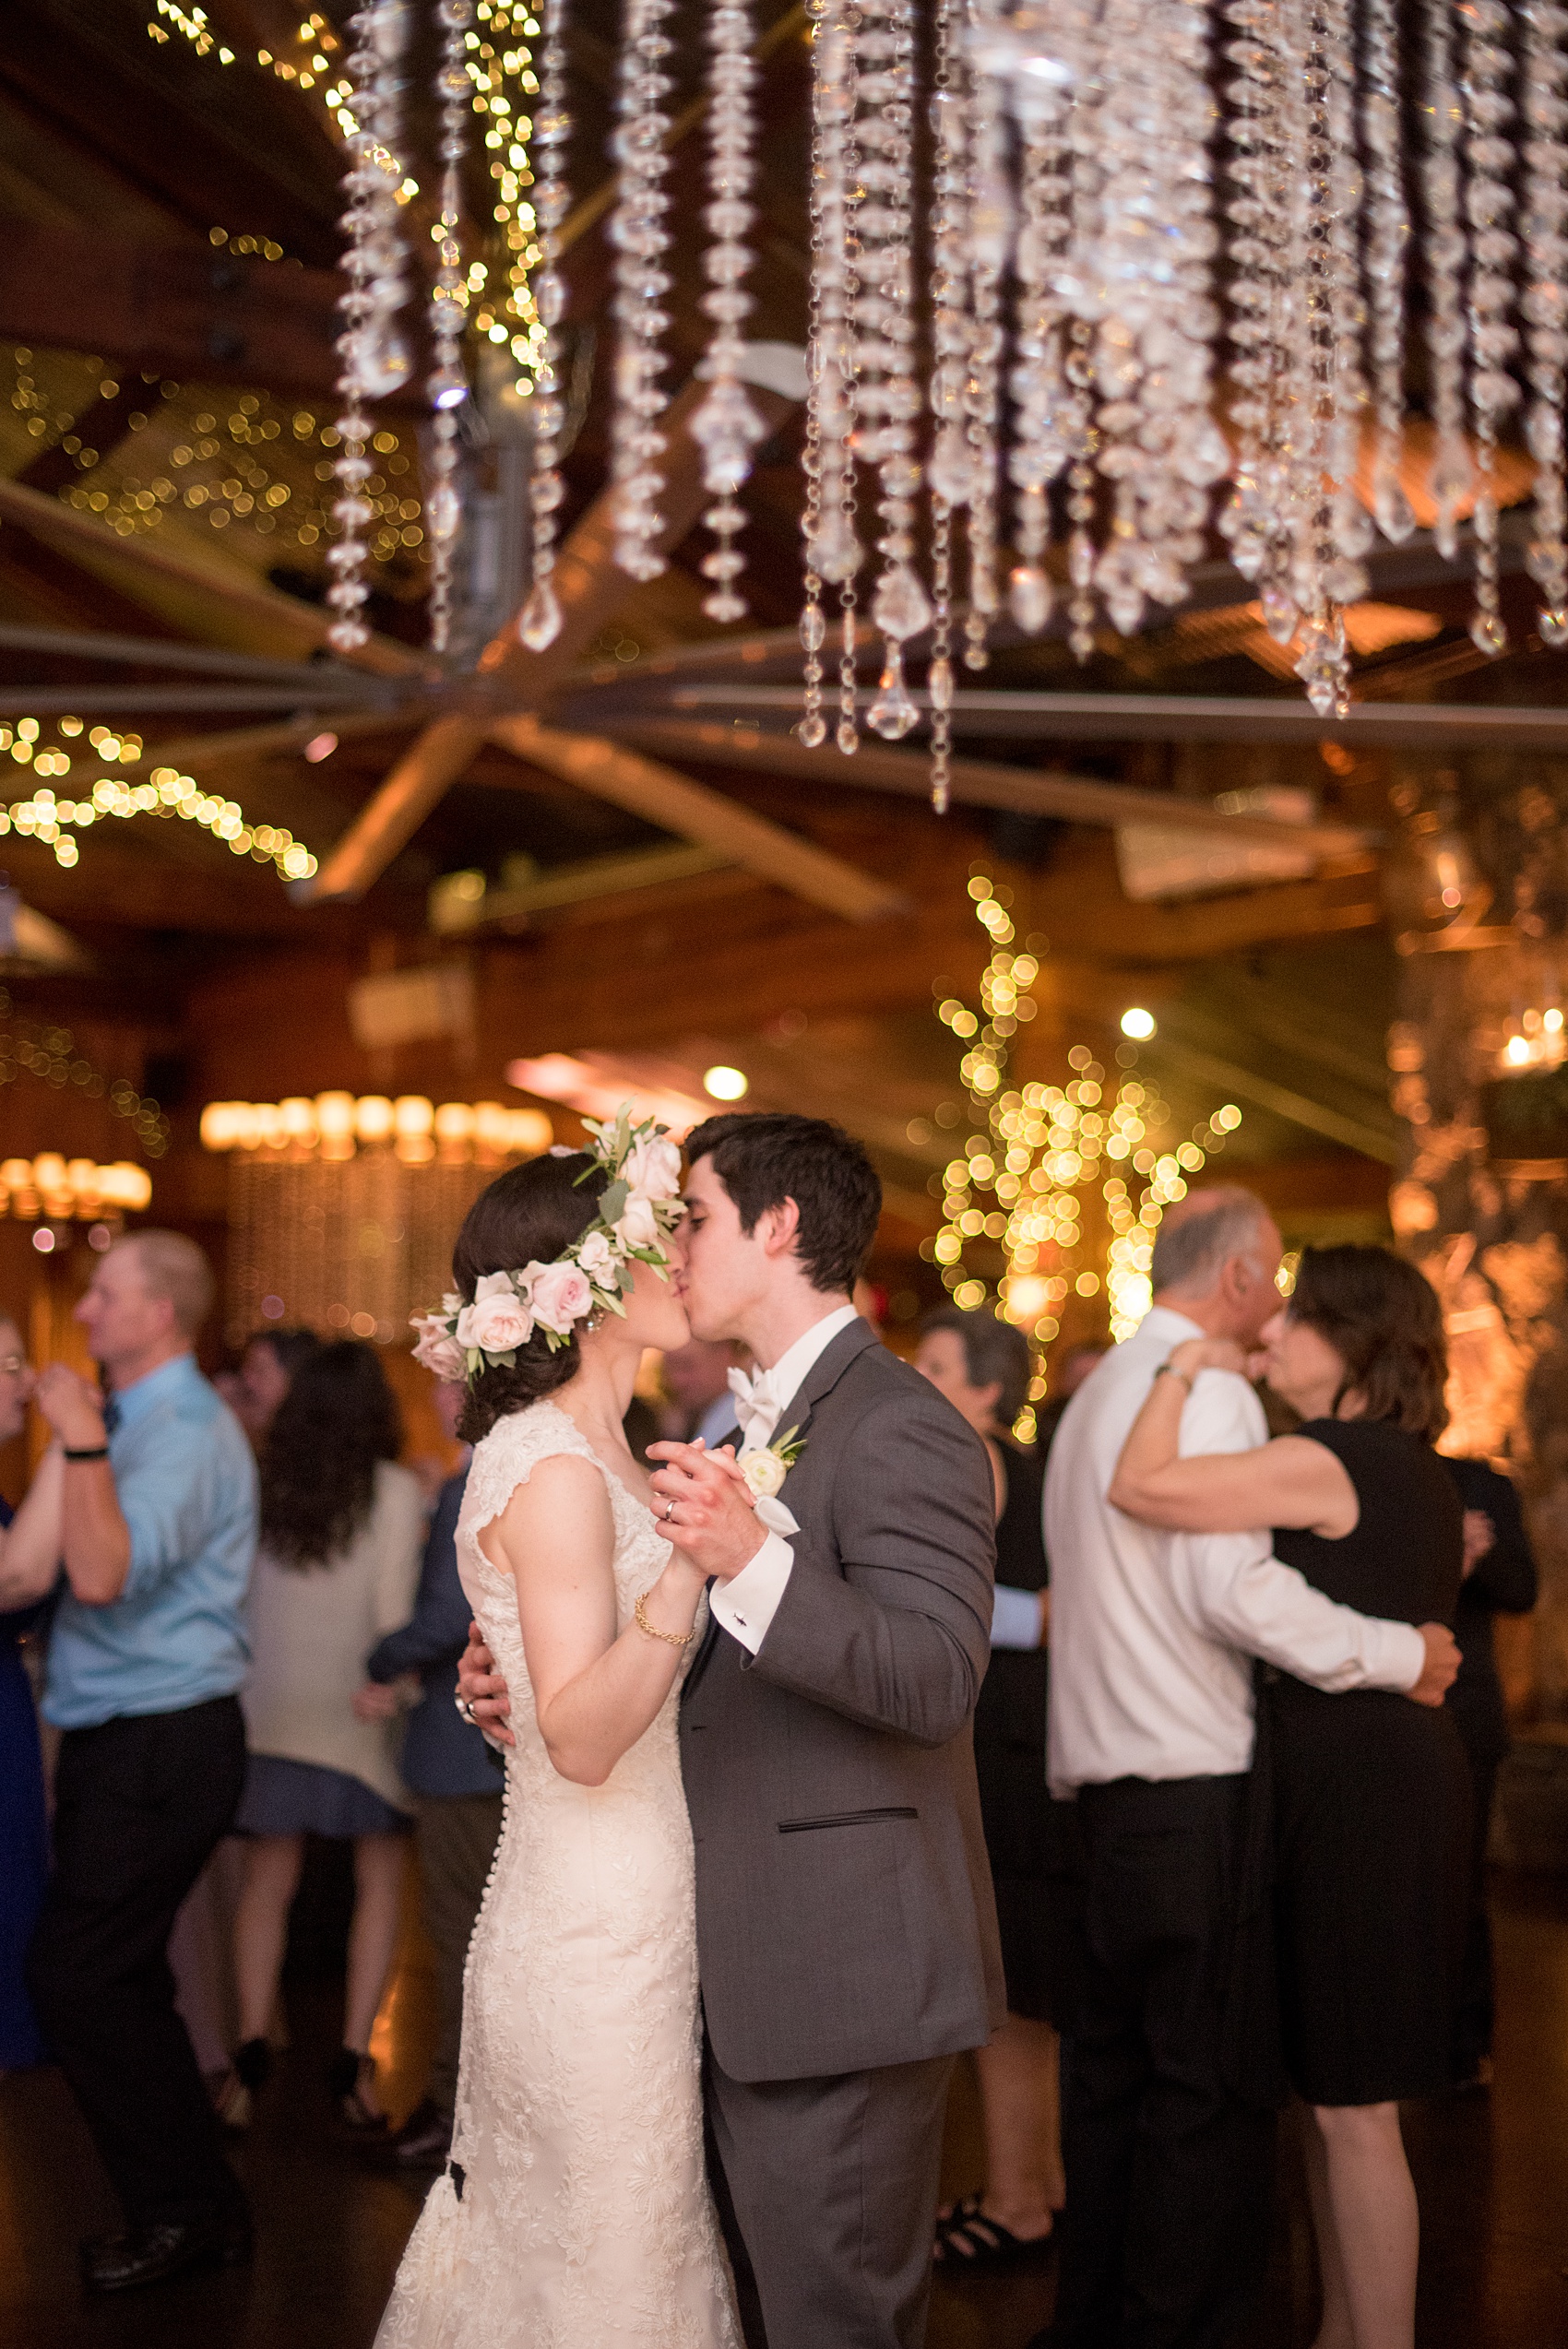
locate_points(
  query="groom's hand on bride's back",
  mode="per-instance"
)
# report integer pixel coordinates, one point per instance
(481, 1687)
(703, 1507)
(1441, 1668)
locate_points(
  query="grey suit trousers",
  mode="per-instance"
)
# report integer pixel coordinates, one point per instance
(830, 2186)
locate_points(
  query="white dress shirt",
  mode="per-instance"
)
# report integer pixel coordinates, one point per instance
(746, 1605)
(1153, 1633)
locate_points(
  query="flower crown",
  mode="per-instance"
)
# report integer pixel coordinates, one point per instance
(637, 1211)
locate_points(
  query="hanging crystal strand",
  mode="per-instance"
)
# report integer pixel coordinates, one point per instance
(375, 359)
(1545, 308)
(1453, 475)
(1079, 416)
(811, 728)
(447, 386)
(1489, 203)
(989, 242)
(1038, 450)
(887, 393)
(1335, 531)
(539, 623)
(641, 238)
(948, 472)
(1157, 442)
(727, 426)
(1388, 237)
(833, 549)
(1258, 213)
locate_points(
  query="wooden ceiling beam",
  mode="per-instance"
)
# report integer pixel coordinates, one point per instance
(175, 309)
(978, 782)
(676, 804)
(159, 556)
(590, 590)
(1044, 719)
(162, 120)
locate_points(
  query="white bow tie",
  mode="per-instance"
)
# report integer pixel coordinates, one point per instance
(757, 1404)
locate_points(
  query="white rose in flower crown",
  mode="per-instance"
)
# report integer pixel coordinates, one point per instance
(638, 1226)
(765, 1473)
(560, 1295)
(653, 1169)
(598, 1259)
(498, 1320)
(437, 1349)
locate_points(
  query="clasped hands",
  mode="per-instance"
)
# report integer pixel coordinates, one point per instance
(703, 1507)
(73, 1407)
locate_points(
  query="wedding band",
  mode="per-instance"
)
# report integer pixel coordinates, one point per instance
(669, 1510)
(466, 1711)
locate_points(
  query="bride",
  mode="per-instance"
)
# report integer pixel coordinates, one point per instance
(574, 2213)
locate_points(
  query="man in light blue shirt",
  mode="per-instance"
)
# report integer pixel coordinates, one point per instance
(159, 1528)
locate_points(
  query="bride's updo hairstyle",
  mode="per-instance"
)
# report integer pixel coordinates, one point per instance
(529, 1214)
(1383, 1319)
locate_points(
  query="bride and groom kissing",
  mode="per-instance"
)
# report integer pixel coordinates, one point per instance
(741, 1919)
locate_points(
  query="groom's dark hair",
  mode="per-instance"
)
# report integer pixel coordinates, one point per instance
(764, 1156)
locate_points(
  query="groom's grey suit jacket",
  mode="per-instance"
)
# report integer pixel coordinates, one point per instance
(844, 1912)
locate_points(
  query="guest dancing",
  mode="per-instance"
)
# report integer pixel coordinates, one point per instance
(982, 1367)
(29, 1550)
(342, 1531)
(1500, 1579)
(1371, 1796)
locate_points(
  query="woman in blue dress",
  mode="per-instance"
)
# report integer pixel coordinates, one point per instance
(29, 1547)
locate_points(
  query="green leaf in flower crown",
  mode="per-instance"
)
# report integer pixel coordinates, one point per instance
(612, 1200)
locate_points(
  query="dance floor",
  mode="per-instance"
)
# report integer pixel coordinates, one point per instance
(1493, 2173)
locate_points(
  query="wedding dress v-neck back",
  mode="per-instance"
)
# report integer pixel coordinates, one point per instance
(574, 2213)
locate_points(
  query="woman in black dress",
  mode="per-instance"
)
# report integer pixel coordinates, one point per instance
(983, 1366)
(1371, 1796)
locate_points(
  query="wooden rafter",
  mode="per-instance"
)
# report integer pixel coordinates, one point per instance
(980, 782)
(156, 555)
(660, 796)
(590, 590)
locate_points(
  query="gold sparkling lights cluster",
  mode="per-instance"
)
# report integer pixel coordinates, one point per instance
(1036, 1152)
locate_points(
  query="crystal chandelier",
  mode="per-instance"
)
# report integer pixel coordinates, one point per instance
(1149, 281)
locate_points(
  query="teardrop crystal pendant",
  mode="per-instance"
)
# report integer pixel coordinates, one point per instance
(1030, 597)
(539, 623)
(892, 712)
(1489, 634)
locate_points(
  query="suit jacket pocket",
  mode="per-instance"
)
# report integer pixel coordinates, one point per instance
(847, 1818)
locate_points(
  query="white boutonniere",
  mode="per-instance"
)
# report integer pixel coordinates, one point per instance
(764, 1471)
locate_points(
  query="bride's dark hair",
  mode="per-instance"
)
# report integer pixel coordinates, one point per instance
(531, 1214)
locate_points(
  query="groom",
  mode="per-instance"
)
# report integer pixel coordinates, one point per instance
(846, 1928)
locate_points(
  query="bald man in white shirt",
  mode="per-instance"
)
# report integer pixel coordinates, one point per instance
(1171, 2069)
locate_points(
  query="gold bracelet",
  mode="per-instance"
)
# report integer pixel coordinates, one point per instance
(671, 1638)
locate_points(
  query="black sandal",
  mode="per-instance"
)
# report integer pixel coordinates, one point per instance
(348, 2077)
(969, 2243)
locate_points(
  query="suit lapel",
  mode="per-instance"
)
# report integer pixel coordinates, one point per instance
(819, 1381)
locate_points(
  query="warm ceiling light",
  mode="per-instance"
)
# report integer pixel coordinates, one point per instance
(1137, 1023)
(726, 1085)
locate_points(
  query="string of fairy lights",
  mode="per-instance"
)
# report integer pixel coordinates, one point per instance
(254, 459)
(500, 67)
(50, 1054)
(1069, 1181)
(57, 819)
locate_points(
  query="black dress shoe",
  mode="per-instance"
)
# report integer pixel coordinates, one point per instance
(168, 2248)
(425, 2139)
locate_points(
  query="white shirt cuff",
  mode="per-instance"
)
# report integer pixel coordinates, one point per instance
(1015, 1620)
(1396, 1658)
(746, 1604)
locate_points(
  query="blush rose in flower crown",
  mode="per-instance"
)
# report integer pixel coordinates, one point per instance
(638, 1209)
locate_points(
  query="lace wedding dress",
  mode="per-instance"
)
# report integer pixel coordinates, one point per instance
(575, 2213)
